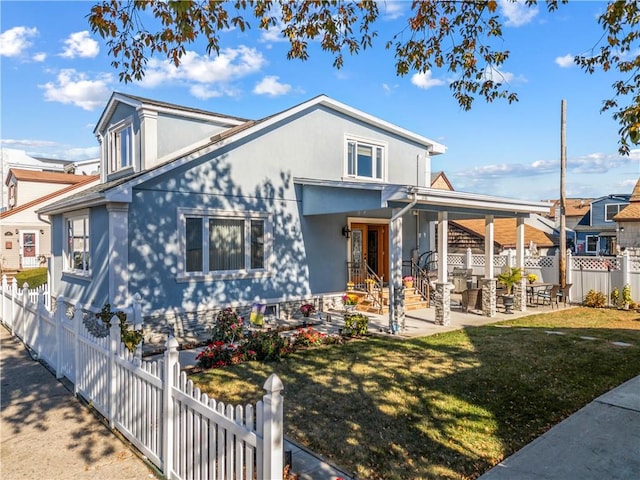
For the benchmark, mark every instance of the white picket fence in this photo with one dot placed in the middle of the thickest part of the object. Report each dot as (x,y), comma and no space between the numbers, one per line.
(584,273)
(182,431)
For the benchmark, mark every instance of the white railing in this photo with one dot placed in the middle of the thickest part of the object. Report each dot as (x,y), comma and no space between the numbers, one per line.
(584,273)
(182,431)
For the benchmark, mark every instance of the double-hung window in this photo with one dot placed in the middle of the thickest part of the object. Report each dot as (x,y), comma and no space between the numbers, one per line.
(365,159)
(225,244)
(120,148)
(77,257)
(592,243)
(611,210)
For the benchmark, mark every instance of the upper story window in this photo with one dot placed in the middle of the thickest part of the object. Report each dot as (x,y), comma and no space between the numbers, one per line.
(365,159)
(77,258)
(120,148)
(611,210)
(223,244)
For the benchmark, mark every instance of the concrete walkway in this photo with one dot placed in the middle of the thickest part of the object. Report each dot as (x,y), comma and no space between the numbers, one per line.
(47,433)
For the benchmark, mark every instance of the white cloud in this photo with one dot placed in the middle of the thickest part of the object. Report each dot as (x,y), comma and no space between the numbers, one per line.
(517,13)
(392,10)
(79,44)
(270,85)
(207,76)
(15,41)
(565,61)
(423,80)
(39,57)
(76,89)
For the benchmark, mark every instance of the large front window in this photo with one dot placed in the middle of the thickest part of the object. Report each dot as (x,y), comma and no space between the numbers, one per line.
(219,243)
(77,254)
(120,149)
(365,160)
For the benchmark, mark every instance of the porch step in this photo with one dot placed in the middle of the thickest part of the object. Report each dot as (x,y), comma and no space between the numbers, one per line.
(412,301)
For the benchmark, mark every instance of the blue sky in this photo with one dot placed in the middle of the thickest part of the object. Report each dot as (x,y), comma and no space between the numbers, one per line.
(56,78)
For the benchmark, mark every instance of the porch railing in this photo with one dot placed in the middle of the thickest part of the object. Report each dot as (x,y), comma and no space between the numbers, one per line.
(365,279)
(421,279)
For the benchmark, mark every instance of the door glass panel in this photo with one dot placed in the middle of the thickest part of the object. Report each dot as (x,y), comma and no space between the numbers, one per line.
(372,250)
(356,246)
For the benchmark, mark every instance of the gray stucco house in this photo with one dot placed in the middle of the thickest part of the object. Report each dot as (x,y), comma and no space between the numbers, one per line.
(198,210)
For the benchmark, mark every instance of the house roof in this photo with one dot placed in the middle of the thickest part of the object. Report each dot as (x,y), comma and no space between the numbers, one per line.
(119,190)
(632,211)
(504,232)
(87,179)
(439,178)
(25,175)
(574,207)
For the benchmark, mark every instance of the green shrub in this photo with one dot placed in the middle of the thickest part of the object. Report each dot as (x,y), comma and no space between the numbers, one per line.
(355,325)
(219,354)
(595,299)
(34,277)
(267,346)
(229,327)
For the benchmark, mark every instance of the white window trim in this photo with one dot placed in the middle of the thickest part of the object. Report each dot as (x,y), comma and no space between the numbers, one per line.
(613,205)
(66,269)
(586,243)
(247,216)
(114,160)
(366,141)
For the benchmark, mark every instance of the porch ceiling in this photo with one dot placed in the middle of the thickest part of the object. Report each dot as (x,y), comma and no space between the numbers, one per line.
(321,197)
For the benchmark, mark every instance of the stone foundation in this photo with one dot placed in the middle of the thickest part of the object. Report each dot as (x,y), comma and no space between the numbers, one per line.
(443,303)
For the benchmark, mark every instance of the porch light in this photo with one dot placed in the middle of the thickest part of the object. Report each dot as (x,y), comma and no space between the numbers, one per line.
(346,232)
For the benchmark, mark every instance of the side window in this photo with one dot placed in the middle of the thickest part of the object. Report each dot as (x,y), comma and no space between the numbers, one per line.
(611,211)
(365,159)
(592,244)
(77,255)
(120,149)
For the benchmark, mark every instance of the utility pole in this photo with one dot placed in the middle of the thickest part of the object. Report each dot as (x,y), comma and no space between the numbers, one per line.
(563,226)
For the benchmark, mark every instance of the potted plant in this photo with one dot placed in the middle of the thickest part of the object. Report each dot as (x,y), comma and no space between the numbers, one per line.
(532,277)
(407,281)
(307,309)
(349,300)
(509,278)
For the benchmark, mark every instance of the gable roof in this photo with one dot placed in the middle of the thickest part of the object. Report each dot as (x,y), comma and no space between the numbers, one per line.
(439,178)
(573,207)
(504,232)
(631,211)
(26,175)
(45,198)
(120,190)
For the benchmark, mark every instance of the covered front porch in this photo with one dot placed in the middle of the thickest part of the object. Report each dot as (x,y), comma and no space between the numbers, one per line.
(407,221)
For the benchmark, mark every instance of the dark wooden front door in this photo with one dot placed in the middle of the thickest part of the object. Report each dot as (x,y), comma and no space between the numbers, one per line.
(370,244)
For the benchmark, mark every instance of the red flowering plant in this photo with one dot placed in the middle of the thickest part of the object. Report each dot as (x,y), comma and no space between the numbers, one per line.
(218,354)
(307,337)
(307,309)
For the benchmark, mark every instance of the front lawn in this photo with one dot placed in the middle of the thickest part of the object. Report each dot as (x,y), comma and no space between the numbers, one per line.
(447,406)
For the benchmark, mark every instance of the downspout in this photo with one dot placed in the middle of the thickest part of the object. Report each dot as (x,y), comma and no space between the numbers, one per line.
(394,217)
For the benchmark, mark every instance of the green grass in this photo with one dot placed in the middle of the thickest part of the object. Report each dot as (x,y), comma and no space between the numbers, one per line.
(447,406)
(34,277)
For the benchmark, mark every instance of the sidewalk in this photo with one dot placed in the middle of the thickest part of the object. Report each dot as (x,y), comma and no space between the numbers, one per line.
(47,433)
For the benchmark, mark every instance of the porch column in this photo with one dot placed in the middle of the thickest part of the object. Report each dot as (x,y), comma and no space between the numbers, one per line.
(488,282)
(118,253)
(396,289)
(443,287)
(520,291)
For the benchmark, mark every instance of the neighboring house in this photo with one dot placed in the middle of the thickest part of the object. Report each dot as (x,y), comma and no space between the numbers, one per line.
(539,232)
(198,210)
(14,158)
(439,180)
(596,232)
(26,237)
(575,210)
(628,220)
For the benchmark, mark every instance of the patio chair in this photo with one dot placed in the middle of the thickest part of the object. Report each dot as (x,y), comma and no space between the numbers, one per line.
(548,295)
(564,293)
(472,299)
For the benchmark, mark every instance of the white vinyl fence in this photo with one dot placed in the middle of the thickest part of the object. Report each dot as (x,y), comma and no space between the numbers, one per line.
(584,273)
(186,434)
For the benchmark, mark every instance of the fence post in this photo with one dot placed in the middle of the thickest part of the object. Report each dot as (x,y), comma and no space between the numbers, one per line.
(114,344)
(624,267)
(38,321)
(14,295)
(468,259)
(170,362)
(77,321)
(25,300)
(58,316)
(272,441)
(569,274)
(5,303)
